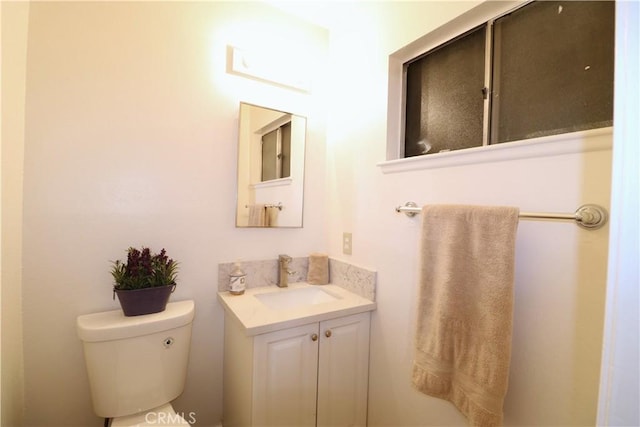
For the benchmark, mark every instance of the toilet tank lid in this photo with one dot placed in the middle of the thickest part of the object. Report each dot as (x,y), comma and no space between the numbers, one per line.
(114,325)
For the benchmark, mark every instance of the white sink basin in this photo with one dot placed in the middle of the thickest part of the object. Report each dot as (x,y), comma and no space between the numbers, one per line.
(268,308)
(294,298)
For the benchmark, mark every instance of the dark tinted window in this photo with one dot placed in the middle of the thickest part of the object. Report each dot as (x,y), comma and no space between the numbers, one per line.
(270,156)
(553,69)
(444,100)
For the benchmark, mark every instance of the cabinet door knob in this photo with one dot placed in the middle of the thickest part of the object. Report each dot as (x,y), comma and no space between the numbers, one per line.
(327,333)
(314,337)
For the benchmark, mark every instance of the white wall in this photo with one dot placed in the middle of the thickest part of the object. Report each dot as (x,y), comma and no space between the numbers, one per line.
(14,55)
(131,134)
(560,269)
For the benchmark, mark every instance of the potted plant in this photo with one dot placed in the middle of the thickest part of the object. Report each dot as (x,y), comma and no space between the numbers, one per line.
(145,282)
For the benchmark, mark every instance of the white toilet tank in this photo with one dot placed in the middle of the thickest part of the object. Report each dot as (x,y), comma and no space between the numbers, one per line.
(136,363)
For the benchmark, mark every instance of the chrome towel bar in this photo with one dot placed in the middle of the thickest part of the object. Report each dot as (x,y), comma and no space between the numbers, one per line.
(587,216)
(271,205)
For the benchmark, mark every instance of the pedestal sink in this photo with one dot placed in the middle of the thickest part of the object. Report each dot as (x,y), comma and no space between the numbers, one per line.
(284,298)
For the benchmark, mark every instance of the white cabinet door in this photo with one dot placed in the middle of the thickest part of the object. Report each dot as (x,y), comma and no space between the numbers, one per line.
(343,371)
(285,375)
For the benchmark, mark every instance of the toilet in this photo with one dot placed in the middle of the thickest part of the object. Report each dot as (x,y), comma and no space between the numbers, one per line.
(137,365)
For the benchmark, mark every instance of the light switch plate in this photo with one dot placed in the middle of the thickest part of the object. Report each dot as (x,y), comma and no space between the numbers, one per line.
(347,242)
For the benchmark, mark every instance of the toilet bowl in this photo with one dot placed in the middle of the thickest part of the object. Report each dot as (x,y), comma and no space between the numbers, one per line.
(137,365)
(163,416)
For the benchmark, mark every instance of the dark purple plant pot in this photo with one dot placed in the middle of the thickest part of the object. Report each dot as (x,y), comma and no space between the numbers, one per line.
(137,302)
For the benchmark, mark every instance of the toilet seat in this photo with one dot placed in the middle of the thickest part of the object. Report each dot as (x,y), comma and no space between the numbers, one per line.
(162,416)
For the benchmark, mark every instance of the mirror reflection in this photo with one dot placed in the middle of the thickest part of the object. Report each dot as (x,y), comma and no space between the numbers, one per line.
(271,147)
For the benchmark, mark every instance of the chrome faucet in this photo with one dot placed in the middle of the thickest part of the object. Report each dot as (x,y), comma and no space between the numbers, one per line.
(283,270)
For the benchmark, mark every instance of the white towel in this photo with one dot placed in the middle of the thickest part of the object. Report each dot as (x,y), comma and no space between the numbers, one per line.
(465,308)
(318,273)
(271,216)
(257,215)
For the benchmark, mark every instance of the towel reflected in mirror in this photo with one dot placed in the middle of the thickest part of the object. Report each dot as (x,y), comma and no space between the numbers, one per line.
(271,216)
(261,215)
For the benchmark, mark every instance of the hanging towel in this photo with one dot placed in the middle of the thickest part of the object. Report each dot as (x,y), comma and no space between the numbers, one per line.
(318,273)
(271,216)
(465,308)
(257,215)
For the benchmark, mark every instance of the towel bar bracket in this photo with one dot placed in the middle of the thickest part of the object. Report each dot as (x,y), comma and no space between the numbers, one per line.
(410,209)
(589,216)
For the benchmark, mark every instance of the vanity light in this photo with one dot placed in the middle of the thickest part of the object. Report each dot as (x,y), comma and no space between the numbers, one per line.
(271,67)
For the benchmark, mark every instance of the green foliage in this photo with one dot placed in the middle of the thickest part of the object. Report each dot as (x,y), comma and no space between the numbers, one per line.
(144,270)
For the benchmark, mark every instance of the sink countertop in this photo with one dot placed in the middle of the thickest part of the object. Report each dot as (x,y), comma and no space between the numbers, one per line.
(257,318)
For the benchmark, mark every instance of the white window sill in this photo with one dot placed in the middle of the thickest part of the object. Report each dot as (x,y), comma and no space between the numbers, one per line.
(567,143)
(274,183)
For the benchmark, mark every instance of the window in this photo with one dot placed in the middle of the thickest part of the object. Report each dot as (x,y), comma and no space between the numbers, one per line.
(276,153)
(444,104)
(543,69)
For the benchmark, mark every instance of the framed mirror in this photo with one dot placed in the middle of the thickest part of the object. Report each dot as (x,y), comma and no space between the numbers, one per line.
(271,151)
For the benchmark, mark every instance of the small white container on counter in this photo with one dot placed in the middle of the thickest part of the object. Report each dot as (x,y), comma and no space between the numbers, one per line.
(237,280)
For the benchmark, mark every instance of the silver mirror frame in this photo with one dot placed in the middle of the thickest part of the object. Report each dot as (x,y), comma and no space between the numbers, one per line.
(282,199)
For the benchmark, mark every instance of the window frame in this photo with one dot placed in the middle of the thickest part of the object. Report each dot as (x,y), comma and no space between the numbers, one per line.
(483,14)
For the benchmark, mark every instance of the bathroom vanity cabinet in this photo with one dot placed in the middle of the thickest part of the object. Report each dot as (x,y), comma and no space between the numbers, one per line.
(306,375)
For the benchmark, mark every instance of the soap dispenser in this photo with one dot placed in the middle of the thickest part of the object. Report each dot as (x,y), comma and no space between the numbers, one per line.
(237,280)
